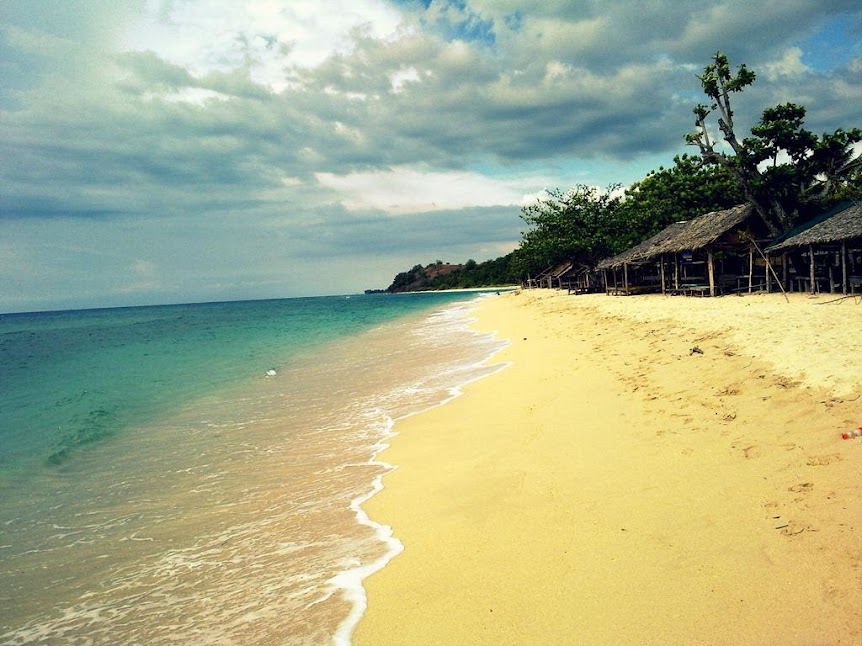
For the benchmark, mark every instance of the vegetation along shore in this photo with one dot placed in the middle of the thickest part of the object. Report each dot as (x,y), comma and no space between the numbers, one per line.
(790,178)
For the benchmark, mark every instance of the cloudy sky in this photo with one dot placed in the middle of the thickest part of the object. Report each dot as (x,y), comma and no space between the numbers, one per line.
(192,150)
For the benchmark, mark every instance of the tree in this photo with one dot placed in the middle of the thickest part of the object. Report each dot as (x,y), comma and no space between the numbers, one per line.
(840,172)
(406,278)
(776,168)
(577,225)
(684,191)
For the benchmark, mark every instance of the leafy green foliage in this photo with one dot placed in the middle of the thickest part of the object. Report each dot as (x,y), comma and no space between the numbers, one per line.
(585,225)
(407,278)
(682,192)
(577,225)
(784,170)
(480,274)
(470,274)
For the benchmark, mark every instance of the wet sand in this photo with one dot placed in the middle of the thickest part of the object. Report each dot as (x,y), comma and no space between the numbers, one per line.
(649,470)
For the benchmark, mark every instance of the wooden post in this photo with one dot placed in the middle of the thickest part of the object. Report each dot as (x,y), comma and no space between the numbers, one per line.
(769,268)
(626,277)
(784,270)
(615,279)
(766,276)
(811,268)
(844,266)
(663,286)
(676,271)
(710,265)
(750,268)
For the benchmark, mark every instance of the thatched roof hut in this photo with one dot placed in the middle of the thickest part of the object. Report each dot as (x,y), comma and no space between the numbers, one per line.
(714,231)
(842,226)
(836,232)
(683,236)
(645,250)
(557,273)
(705,230)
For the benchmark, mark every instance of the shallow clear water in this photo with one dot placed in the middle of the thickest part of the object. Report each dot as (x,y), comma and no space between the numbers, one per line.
(158,487)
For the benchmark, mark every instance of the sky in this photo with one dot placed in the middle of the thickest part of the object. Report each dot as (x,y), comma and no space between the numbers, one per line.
(164,151)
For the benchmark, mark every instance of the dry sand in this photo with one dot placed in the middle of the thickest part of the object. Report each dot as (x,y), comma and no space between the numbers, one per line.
(614,487)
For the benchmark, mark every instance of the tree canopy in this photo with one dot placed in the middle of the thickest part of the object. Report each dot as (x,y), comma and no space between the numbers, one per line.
(782,169)
(572,225)
(684,191)
(586,224)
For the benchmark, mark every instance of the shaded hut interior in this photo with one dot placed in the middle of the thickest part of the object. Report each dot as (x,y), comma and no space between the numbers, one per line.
(824,254)
(715,253)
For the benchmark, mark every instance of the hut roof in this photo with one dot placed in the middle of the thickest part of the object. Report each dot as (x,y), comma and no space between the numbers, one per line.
(843,225)
(643,250)
(684,236)
(560,269)
(545,272)
(705,229)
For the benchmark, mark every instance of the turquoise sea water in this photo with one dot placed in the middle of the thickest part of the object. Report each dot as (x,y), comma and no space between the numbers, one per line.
(157,485)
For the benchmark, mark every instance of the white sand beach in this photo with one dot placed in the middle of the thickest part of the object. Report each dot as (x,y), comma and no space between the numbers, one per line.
(649,470)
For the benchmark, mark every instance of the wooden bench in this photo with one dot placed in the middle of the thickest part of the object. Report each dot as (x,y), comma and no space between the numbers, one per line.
(691,290)
(696,290)
(620,290)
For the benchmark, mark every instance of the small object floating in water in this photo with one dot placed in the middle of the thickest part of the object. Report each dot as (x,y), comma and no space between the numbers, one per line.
(271,372)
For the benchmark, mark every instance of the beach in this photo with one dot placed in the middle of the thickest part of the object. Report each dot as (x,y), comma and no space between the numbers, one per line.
(646,470)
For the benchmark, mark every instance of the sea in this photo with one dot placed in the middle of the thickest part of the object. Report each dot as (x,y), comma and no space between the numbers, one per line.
(194,474)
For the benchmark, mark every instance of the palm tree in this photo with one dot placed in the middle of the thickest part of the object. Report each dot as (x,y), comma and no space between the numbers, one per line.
(837,168)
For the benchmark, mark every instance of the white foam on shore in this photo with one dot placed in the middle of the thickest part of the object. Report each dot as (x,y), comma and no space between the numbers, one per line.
(350,582)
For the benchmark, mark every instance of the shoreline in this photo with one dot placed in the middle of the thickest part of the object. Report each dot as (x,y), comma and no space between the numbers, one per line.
(350,583)
(614,486)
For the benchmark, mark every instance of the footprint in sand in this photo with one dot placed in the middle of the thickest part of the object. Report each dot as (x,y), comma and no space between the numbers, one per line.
(801,487)
(751,452)
(728,391)
(822,460)
(794,528)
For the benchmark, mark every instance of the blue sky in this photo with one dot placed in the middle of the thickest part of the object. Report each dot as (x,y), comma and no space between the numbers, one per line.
(192,150)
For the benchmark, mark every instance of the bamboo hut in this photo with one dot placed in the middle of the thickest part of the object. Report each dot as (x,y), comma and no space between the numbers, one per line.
(558,274)
(832,245)
(714,253)
(710,254)
(630,271)
(581,279)
(538,281)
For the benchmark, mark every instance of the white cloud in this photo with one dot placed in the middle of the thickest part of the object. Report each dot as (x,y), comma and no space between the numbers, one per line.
(143,267)
(403,190)
(269,38)
(789,65)
(193,95)
(403,76)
